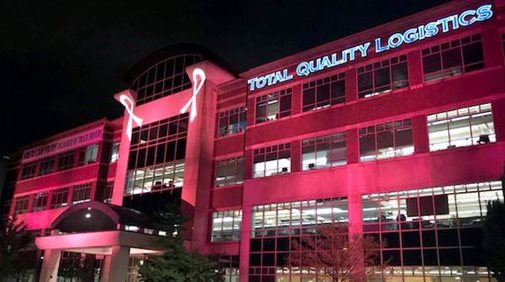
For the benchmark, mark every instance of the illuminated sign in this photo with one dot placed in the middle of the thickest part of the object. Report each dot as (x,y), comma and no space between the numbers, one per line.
(396,40)
(75,141)
(127,101)
(198,82)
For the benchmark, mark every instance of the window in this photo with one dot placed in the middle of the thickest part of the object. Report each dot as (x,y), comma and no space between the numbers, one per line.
(66,161)
(226,225)
(324,92)
(88,155)
(59,198)
(231,122)
(21,204)
(275,227)
(167,77)
(461,127)
(39,201)
(387,140)
(384,76)
(272,160)
(46,166)
(81,193)
(229,171)
(453,58)
(229,266)
(114,154)
(28,170)
(157,153)
(107,193)
(273,106)
(430,228)
(324,151)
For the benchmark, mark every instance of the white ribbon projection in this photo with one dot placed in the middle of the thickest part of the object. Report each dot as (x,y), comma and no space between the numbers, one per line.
(198,81)
(128,103)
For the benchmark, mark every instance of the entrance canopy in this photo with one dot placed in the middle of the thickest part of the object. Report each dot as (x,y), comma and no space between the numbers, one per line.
(95,227)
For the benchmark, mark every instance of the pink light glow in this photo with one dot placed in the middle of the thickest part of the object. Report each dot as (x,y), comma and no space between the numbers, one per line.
(198,81)
(129,104)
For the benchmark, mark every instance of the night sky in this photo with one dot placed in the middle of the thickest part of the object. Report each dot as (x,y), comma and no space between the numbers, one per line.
(61,61)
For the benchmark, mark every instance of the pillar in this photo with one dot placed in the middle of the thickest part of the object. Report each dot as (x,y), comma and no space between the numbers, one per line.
(50,265)
(115,267)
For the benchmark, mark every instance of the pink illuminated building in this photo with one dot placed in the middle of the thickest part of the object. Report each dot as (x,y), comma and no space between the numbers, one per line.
(397,132)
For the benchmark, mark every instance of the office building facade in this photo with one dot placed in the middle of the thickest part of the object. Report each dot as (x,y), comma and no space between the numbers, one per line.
(397,132)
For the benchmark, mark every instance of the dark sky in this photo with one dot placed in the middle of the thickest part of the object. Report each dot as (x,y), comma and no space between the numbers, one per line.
(61,61)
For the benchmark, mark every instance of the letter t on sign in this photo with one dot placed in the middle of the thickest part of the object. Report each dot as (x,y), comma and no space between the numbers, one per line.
(126,98)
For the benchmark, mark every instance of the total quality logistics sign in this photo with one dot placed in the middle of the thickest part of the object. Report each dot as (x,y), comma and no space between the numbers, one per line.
(396,40)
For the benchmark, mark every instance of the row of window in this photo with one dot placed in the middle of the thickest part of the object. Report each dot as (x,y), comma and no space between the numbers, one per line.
(423,229)
(457,128)
(441,61)
(82,156)
(53,199)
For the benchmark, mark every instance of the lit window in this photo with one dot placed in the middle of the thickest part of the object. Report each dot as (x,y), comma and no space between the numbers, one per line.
(88,155)
(324,92)
(229,172)
(384,76)
(59,198)
(21,204)
(157,152)
(453,58)
(272,160)
(387,140)
(461,127)
(273,106)
(81,193)
(226,225)
(39,201)
(324,151)
(231,122)
(114,155)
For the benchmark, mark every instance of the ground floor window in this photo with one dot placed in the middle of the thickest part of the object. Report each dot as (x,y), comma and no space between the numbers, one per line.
(437,229)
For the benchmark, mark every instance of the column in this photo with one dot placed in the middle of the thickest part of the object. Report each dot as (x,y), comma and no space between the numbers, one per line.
(115,267)
(50,264)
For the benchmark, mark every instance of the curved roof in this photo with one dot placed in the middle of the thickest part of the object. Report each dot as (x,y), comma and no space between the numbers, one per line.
(177,49)
(98,216)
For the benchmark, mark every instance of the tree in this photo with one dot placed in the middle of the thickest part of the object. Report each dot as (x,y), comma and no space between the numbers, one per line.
(177,264)
(17,252)
(330,252)
(494,238)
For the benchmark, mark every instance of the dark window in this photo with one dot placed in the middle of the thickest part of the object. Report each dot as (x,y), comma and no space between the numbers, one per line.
(453,58)
(164,78)
(46,166)
(387,140)
(231,122)
(88,154)
(59,198)
(273,106)
(39,201)
(229,171)
(380,77)
(66,161)
(324,92)
(21,204)
(28,170)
